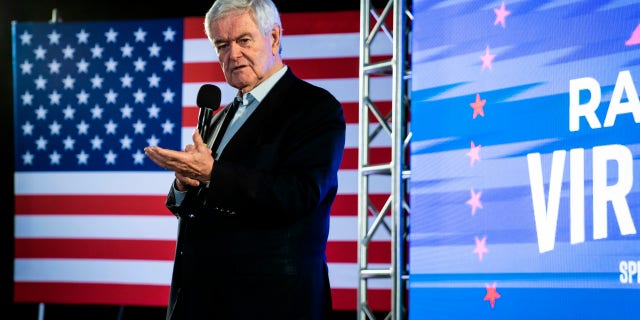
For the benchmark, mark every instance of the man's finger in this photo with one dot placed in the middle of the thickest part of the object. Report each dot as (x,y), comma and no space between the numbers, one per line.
(197,139)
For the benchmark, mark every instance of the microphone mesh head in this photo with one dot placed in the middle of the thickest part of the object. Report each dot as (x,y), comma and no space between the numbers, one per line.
(209,96)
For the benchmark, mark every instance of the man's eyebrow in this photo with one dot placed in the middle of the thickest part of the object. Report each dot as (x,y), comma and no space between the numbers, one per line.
(218,41)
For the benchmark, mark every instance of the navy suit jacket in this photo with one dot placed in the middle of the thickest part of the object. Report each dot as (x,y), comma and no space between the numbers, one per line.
(252,244)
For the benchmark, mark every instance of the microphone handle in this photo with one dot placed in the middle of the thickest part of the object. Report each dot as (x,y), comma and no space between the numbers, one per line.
(204,121)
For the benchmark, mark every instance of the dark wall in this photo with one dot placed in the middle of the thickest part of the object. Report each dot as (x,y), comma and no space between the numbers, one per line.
(83,10)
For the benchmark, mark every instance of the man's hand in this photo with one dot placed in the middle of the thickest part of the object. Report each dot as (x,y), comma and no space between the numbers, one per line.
(192,166)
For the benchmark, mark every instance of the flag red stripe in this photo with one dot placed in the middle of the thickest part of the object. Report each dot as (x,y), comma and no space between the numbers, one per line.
(91,293)
(95,249)
(86,204)
(344,205)
(347,251)
(347,204)
(308,69)
(156,295)
(295,23)
(194,28)
(337,251)
(347,299)
(351,113)
(377,155)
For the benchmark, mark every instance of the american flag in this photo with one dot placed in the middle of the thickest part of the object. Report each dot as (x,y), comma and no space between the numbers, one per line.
(90,221)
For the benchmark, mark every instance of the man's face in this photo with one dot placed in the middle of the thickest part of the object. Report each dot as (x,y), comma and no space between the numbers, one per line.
(247,56)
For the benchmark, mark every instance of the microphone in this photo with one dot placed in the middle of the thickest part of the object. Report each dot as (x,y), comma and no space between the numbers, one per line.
(209,97)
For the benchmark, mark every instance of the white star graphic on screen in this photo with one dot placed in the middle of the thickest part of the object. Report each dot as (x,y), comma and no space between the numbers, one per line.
(54,37)
(83,36)
(68,82)
(83,128)
(54,97)
(54,128)
(154,111)
(140,35)
(153,141)
(111,35)
(154,50)
(154,81)
(139,65)
(96,51)
(111,65)
(138,127)
(68,143)
(83,157)
(41,113)
(83,66)
(168,64)
(27,158)
(25,38)
(111,96)
(55,157)
(68,52)
(27,129)
(168,96)
(40,82)
(138,157)
(68,112)
(110,127)
(126,111)
(126,80)
(139,96)
(41,143)
(27,98)
(127,50)
(83,97)
(96,112)
(126,142)
(96,143)
(96,81)
(54,67)
(26,67)
(110,157)
(40,52)
(167,127)
(169,34)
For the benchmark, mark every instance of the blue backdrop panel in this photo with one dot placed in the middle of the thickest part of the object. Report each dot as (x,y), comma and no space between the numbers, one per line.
(525,186)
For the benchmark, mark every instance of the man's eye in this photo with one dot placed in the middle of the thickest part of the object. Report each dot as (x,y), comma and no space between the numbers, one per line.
(244,41)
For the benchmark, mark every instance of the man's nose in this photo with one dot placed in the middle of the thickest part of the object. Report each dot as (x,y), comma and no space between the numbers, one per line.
(235,50)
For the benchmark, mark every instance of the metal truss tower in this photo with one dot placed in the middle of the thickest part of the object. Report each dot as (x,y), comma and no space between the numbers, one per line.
(378,214)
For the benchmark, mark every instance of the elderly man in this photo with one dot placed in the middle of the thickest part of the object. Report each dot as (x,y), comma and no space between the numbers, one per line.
(254,212)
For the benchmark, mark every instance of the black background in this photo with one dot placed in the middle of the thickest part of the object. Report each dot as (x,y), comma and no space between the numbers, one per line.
(89,10)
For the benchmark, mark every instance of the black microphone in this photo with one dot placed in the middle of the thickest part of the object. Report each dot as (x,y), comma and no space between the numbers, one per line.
(209,97)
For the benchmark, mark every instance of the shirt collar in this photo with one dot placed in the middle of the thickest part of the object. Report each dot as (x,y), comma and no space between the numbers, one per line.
(262,89)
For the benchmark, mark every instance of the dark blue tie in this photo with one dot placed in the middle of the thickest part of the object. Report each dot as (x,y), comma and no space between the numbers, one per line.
(225,123)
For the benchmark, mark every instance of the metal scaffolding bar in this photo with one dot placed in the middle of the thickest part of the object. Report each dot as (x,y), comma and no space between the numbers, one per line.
(393,215)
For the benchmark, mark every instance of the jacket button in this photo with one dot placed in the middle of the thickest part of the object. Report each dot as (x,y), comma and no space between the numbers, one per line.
(191,216)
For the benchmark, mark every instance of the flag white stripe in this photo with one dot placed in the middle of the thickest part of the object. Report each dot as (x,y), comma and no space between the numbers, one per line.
(345,90)
(130,227)
(146,183)
(341,275)
(351,136)
(315,46)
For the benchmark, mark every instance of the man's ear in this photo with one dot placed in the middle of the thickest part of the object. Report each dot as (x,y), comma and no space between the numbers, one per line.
(276,34)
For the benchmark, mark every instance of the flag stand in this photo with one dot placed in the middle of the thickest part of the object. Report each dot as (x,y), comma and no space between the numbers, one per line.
(54,18)
(41,311)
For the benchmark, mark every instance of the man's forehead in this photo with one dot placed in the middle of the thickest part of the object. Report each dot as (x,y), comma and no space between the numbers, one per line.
(234,26)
